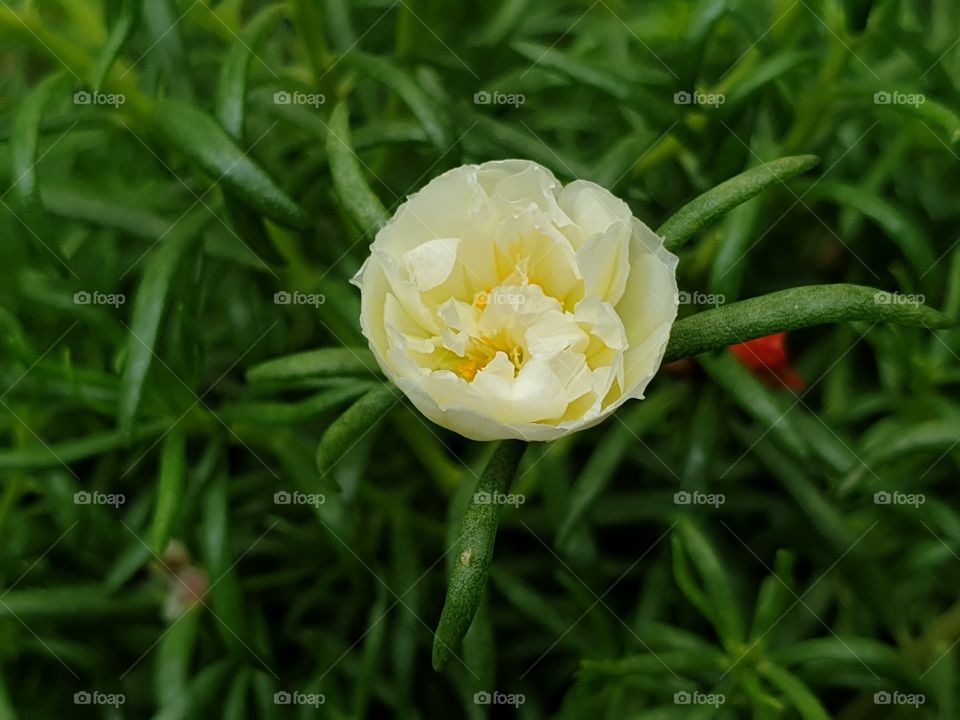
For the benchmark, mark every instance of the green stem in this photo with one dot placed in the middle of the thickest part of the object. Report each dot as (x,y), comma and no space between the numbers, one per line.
(353,425)
(717,201)
(474,551)
(793,309)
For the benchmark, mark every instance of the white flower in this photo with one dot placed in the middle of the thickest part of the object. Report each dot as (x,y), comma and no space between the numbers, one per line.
(505,305)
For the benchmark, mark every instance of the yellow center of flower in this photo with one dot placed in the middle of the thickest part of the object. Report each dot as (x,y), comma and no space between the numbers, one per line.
(484,348)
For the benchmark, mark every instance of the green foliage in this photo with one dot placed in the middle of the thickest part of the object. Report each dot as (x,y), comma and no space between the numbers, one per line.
(718,201)
(210,497)
(474,551)
(352,189)
(794,309)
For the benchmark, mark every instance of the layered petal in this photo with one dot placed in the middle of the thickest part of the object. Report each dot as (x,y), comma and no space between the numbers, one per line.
(505,305)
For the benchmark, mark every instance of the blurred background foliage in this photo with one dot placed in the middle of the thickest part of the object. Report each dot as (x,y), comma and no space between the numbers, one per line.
(183,182)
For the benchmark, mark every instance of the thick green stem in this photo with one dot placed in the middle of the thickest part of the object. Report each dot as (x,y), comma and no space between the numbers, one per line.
(793,309)
(474,551)
(717,201)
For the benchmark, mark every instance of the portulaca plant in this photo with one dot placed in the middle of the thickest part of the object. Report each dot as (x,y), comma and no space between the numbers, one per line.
(235,485)
(507,306)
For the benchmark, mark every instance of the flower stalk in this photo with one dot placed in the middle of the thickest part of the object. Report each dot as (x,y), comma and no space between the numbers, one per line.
(474,550)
